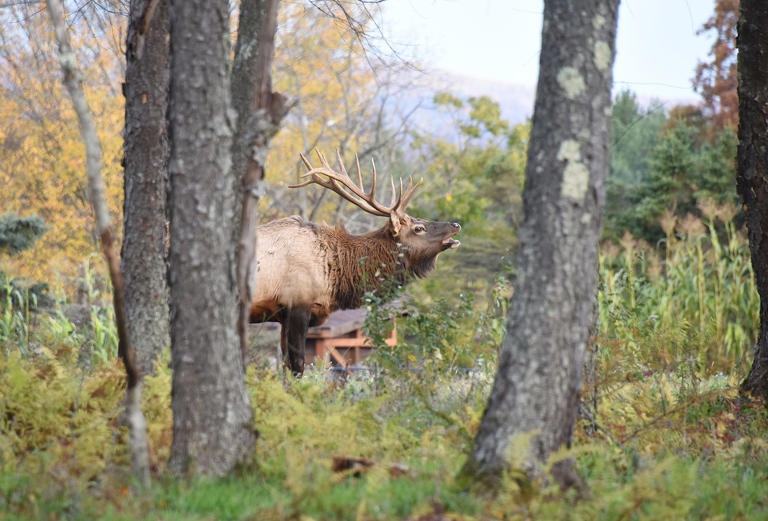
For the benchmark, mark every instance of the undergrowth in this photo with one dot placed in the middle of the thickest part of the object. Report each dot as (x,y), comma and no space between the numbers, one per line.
(664,434)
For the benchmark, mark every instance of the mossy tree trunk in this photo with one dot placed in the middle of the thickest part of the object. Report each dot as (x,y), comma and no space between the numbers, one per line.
(536,390)
(212,419)
(752,161)
(145,148)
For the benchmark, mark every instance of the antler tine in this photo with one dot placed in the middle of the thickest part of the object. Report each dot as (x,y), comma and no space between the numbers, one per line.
(341,165)
(305,183)
(409,193)
(359,173)
(373,185)
(396,197)
(340,183)
(323,159)
(306,161)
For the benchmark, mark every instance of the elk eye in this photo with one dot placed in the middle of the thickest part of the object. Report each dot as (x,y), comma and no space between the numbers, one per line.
(419,229)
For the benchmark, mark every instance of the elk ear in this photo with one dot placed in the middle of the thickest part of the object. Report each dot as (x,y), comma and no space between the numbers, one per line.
(394,221)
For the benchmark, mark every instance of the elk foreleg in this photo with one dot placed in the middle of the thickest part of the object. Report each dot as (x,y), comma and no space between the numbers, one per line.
(293,338)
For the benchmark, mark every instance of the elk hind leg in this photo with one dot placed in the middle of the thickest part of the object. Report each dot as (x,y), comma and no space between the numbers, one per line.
(294,337)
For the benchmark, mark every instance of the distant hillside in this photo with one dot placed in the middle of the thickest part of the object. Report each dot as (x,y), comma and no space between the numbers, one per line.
(516,101)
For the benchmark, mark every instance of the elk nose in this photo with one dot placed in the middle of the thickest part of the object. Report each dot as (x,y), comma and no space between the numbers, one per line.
(456,225)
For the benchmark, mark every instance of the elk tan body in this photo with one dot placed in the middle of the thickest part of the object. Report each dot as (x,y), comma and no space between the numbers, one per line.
(304,271)
(290,270)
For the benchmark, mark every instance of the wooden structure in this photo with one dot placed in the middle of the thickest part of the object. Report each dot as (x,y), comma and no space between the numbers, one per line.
(341,341)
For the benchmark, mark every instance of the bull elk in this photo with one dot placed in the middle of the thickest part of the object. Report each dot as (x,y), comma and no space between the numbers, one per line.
(304,271)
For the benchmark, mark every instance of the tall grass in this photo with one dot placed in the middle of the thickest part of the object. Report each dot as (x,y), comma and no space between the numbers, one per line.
(31,331)
(15,318)
(692,299)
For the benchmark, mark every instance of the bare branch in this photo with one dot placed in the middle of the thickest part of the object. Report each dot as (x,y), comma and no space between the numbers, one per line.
(20,3)
(337,10)
(73,81)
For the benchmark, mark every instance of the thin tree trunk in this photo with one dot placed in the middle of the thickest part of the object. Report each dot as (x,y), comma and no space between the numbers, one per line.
(752,161)
(259,115)
(212,427)
(73,81)
(536,390)
(145,148)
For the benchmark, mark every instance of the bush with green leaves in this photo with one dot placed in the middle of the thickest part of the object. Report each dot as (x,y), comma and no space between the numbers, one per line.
(19,233)
(16,235)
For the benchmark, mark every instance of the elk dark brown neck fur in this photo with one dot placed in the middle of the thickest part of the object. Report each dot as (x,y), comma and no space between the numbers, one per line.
(360,263)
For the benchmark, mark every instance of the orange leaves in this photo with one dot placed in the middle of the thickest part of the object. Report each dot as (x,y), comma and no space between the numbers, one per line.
(42,160)
(321,65)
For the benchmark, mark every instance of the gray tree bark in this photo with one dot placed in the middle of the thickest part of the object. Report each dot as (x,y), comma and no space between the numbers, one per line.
(212,428)
(752,161)
(145,148)
(259,115)
(73,82)
(536,390)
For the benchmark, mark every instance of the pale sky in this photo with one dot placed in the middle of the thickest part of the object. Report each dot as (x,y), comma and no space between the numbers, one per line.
(657,45)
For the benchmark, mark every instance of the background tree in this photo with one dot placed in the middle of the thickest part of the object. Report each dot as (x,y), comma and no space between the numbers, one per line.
(752,179)
(716,79)
(19,233)
(344,98)
(663,163)
(635,131)
(16,235)
(473,173)
(538,381)
(212,428)
(145,148)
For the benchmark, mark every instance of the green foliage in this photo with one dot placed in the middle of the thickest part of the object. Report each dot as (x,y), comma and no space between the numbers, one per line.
(16,235)
(19,233)
(634,134)
(21,293)
(57,419)
(480,162)
(661,164)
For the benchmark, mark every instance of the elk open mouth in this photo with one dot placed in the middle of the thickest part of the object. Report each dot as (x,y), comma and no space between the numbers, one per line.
(450,243)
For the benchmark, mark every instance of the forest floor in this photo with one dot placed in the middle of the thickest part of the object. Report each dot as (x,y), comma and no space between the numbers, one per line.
(389,445)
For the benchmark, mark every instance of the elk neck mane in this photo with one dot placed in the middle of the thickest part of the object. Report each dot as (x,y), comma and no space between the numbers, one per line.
(359,263)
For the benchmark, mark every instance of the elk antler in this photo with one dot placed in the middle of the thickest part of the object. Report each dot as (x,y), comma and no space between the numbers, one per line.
(341,183)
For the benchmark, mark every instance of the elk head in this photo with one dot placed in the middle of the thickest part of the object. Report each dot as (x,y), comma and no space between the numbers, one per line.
(421,240)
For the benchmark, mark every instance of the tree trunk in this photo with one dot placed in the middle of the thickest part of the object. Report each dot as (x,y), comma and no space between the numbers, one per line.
(259,115)
(752,161)
(536,390)
(212,429)
(145,148)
